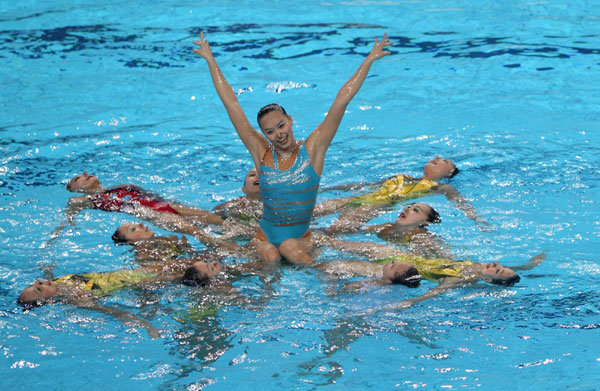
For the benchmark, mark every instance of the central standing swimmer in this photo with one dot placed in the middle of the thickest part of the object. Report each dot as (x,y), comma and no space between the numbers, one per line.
(289,169)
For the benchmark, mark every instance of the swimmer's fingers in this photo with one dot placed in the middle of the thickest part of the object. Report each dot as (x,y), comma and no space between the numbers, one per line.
(378,48)
(204,47)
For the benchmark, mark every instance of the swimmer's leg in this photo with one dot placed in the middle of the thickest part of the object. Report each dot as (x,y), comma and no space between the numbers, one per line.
(266,250)
(296,250)
(199,215)
(352,219)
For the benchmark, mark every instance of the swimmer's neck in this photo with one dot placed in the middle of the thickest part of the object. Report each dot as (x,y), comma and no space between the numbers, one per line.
(90,190)
(408,229)
(254,197)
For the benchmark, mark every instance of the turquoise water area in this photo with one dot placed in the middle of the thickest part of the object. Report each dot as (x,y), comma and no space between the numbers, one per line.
(509,91)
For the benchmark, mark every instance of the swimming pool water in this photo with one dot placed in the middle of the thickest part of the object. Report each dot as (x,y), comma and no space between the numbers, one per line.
(507,90)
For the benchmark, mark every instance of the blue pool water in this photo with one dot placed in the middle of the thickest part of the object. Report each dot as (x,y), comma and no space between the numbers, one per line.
(508,90)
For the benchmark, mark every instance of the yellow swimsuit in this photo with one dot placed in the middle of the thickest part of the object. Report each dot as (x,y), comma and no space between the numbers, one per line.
(431,269)
(393,190)
(102,283)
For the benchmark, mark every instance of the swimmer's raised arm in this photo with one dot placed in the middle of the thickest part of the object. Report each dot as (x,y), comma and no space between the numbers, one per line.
(319,140)
(254,142)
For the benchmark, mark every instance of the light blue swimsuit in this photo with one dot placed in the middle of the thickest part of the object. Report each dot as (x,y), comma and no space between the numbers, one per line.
(288,198)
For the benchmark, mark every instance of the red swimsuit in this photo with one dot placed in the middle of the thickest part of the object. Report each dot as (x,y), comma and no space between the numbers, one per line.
(118,199)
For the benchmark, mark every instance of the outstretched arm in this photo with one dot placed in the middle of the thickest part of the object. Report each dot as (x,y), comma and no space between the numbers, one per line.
(176,223)
(445,285)
(254,142)
(75,205)
(533,262)
(123,316)
(370,250)
(330,206)
(319,140)
(465,206)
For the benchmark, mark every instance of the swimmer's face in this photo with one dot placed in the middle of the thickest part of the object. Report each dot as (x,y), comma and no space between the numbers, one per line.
(439,168)
(496,273)
(393,270)
(414,215)
(134,232)
(251,184)
(38,291)
(83,183)
(207,269)
(277,127)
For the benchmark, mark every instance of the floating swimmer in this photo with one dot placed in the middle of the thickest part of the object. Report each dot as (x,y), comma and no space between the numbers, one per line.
(83,290)
(144,205)
(410,230)
(149,247)
(401,188)
(289,170)
(396,266)
(128,199)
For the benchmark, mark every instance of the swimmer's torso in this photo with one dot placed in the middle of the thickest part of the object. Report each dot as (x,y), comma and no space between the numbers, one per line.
(400,187)
(126,198)
(433,269)
(289,198)
(99,284)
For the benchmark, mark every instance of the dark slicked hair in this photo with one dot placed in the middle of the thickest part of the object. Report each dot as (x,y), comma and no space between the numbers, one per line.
(118,237)
(454,172)
(506,281)
(433,217)
(193,277)
(411,278)
(267,109)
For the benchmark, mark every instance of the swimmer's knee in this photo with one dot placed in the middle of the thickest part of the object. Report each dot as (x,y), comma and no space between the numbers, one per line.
(271,255)
(288,246)
(267,251)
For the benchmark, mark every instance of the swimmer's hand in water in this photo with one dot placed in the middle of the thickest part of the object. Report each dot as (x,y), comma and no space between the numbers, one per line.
(484,226)
(531,263)
(390,307)
(203,49)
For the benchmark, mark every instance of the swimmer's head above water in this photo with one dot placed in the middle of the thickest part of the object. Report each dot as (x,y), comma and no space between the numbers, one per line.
(418,215)
(37,294)
(251,184)
(277,126)
(494,273)
(84,183)
(131,233)
(201,272)
(437,168)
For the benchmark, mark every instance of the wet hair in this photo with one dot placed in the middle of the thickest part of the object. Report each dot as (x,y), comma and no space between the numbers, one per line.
(119,237)
(267,109)
(433,217)
(27,305)
(411,278)
(506,281)
(193,277)
(454,172)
